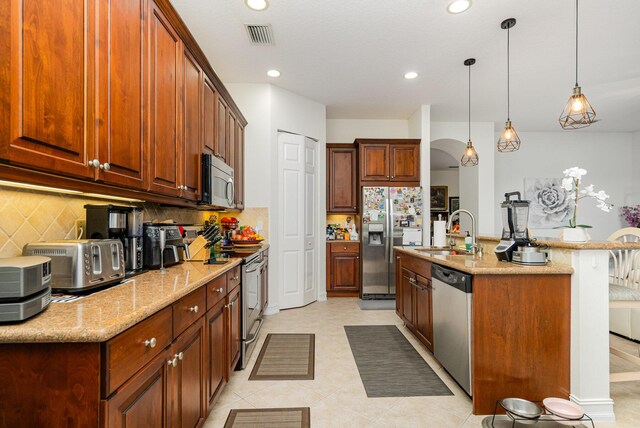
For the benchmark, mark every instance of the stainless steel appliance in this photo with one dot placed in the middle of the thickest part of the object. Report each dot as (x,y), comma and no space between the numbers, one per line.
(253,267)
(217,182)
(119,222)
(391,216)
(172,242)
(452,300)
(78,265)
(25,287)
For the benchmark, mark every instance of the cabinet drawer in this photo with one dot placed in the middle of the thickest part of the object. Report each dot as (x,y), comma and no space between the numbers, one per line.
(233,278)
(345,247)
(216,290)
(187,310)
(129,351)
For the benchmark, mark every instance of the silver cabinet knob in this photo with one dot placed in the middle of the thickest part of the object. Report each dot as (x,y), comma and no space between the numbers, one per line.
(151,343)
(94,163)
(219,290)
(194,309)
(180,356)
(105,166)
(173,362)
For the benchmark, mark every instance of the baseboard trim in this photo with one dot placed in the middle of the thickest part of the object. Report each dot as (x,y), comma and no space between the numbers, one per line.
(322,297)
(599,409)
(271,310)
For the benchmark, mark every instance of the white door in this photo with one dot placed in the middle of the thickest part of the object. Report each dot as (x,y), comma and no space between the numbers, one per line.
(297,220)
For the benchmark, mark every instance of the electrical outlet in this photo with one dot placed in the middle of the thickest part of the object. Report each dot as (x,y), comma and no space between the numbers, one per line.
(81,228)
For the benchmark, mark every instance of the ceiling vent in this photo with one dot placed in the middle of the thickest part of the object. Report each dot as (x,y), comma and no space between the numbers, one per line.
(260,34)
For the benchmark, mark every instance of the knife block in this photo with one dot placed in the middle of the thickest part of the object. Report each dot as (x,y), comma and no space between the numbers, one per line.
(198,251)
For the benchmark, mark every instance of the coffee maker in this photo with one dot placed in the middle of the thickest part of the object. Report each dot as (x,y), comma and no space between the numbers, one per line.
(515,215)
(119,222)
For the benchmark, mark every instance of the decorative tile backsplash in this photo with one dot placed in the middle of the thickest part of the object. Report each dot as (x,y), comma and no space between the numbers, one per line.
(30,216)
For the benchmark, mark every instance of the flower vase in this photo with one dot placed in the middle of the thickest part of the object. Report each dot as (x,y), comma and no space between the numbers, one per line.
(574,234)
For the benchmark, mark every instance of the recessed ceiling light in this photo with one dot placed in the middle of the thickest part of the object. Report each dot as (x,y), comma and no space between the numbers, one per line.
(458,6)
(257,4)
(411,75)
(273,73)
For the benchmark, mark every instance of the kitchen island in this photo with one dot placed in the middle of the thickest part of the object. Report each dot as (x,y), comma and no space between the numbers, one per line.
(154,351)
(520,318)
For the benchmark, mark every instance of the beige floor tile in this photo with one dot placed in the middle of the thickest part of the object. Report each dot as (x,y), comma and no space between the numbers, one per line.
(284,394)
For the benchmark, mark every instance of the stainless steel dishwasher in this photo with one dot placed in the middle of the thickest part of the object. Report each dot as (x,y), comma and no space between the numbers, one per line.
(452,322)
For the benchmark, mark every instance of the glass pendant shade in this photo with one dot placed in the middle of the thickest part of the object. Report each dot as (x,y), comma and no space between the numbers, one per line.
(509,140)
(578,112)
(470,156)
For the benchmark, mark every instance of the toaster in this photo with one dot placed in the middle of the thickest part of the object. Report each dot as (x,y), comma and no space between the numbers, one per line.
(82,264)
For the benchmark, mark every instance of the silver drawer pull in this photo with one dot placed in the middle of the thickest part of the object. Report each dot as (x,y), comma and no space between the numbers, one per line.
(219,290)
(194,309)
(173,362)
(151,342)
(180,356)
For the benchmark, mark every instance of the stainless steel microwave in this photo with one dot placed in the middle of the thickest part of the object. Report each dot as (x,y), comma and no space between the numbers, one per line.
(217,182)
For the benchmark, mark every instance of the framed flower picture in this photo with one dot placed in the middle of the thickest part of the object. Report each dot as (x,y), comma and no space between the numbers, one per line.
(439,198)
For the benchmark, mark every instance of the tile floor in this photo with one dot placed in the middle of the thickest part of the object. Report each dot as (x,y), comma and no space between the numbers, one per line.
(338,399)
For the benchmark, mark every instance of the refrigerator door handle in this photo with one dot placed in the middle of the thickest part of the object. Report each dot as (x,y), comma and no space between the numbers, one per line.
(390,227)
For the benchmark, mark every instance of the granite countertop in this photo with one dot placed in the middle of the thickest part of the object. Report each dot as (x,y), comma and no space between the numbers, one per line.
(100,316)
(488,264)
(341,241)
(556,243)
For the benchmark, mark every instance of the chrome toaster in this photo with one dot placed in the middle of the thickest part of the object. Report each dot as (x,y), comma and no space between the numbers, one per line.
(78,265)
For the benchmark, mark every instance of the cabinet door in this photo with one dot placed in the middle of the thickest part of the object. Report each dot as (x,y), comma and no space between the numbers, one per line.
(222,123)
(374,162)
(423,312)
(345,272)
(123,88)
(407,296)
(239,166)
(144,400)
(166,139)
(405,162)
(209,116)
(399,287)
(342,180)
(188,377)
(216,347)
(191,116)
(231,139)
(234,335)
(53,48)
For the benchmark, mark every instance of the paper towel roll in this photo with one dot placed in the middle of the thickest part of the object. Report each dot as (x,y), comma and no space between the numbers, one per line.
(439,233)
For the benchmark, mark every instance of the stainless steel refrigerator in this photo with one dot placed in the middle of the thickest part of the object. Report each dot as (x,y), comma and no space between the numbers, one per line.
(391,216)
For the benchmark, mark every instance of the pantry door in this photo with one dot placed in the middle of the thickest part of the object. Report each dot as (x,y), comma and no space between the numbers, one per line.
(297,220)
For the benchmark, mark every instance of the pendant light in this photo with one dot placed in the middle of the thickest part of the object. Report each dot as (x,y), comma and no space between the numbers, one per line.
(509,140)
(470,156)
(578,112)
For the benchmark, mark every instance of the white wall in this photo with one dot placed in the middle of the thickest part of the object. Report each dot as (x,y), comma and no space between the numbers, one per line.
(447,178)
(344,131)
(607,157)
(636,167)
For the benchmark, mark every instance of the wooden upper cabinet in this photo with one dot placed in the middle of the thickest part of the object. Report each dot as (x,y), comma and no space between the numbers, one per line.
(405,162)
(123,88)
(52,94)
(342,181)
(231,139)
(166,143)
(239,166)
(209,116)
(191,121)
(374,162)
(222,124)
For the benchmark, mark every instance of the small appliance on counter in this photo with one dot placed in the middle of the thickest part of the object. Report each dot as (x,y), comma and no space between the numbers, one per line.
(154,257)
(82,264)
(119,222)
(25,287)
(515,244)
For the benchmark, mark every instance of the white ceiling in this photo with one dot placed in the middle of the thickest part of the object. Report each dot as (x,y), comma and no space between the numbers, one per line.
(352,54)
(441,161)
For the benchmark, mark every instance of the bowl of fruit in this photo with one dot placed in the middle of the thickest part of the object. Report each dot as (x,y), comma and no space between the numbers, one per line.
(229,223)
(246,236)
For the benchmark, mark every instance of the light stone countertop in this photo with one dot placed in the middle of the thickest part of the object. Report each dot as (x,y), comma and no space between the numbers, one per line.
(488,264)
(556,243)
(100,316)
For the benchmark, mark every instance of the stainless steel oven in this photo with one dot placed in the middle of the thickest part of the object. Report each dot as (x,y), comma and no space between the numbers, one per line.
(217,182)
(251,304)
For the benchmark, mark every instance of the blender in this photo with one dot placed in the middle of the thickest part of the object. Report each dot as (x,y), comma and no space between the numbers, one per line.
(504,249)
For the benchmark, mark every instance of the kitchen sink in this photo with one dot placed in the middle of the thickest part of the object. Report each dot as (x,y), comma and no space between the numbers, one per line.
(443,251)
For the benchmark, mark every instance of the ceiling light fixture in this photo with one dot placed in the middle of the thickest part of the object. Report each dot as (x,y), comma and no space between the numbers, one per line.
(470,156)
(578,112)
(458,6)
(509,140)
(410,75)
(257,5)
(273,73)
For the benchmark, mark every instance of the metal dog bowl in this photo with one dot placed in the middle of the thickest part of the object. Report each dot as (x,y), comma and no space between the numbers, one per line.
(522,408)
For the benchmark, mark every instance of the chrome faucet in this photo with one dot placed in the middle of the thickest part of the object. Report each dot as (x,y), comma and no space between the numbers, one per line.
(474,230)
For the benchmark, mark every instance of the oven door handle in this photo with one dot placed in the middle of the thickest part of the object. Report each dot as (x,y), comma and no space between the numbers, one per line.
(256,268)
(254,337)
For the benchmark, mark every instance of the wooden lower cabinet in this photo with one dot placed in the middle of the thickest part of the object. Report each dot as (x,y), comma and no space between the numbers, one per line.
(414,297)
(217,349)
(423,316)
(144,400)
(234,333)
(408,296)
(343,268)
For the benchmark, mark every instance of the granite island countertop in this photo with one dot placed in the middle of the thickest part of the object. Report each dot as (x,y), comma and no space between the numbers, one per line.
(487,264)
(104,314)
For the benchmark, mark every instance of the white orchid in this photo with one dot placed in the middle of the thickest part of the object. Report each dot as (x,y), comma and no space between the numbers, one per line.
(571,183)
